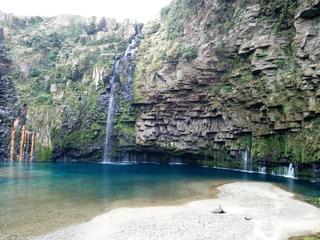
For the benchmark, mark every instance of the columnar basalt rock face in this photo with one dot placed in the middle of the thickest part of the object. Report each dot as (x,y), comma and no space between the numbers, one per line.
(251,85)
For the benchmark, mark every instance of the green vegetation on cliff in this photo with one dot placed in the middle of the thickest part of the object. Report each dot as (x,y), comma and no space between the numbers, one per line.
(228,76)
(61,73)
(214,78)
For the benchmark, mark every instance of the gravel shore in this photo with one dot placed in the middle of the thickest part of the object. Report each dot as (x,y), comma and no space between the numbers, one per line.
(257,211)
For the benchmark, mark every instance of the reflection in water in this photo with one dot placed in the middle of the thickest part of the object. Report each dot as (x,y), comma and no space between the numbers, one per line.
(39,197)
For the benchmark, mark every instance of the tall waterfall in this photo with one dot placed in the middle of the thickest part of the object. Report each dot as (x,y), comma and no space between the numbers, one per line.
(33,139)
(110,114)
(125,59)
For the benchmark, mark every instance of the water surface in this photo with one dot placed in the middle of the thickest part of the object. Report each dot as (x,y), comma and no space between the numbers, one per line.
(39,197)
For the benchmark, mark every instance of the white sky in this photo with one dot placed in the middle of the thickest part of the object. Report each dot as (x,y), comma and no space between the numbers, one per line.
(142,10)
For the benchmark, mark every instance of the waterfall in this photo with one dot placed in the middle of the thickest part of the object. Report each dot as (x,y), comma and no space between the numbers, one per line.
(290,171)
(33,138)
(26,144)
(110,114)
(247,161)
(12,138)
(126,58)
(285,171)
(22,143)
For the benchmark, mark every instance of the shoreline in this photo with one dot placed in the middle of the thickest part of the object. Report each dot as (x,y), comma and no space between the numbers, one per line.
(82,212)
(253,211)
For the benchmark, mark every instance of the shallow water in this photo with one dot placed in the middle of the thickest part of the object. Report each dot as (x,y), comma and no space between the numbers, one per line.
(39,197)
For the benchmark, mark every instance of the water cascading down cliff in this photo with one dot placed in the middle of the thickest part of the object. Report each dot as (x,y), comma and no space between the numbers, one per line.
(24,141)
(126,60)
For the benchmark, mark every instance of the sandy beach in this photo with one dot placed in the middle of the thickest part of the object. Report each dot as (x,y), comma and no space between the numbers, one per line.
(253,211)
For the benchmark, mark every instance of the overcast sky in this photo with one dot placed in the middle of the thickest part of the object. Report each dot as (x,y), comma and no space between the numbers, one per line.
(141,10)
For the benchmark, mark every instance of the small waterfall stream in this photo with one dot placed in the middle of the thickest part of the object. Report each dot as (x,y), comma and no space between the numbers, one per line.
(12,138)
(247,160)
(22,143)
(127,58)
(290,173)
(22,146)
(33,139)
(285,171)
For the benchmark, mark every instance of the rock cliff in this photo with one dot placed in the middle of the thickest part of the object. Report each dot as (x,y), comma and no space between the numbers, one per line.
(222,79)
(231,83)
(61,71)
(8,105)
